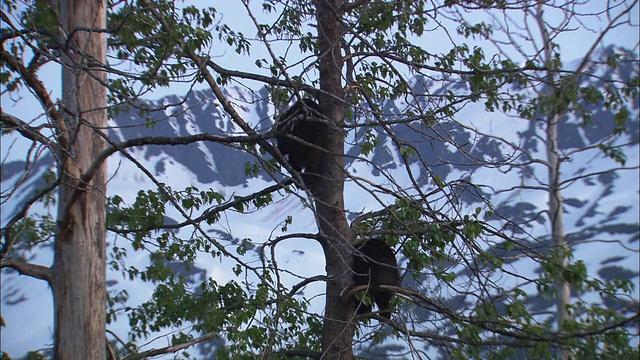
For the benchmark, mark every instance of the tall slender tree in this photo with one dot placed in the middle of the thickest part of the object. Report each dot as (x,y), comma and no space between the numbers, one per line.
(79,266)
(78,274)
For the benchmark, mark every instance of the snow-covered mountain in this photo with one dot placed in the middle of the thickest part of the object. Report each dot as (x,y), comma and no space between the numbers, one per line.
(600,209)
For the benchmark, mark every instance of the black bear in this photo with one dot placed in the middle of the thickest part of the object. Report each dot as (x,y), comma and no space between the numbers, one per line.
(374,264)
(300,133)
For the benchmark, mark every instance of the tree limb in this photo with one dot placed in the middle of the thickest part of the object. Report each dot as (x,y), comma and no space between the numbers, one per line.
(209,213)
(4,247)
(32,81)
(26,130)
(261,78)
(170,349)
(348,6)
(32,270)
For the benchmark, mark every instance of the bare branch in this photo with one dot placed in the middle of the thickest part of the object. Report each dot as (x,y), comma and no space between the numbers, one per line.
(32,270)
(22,213)
(26,130)
(32,81)
(261,78)
(171,349)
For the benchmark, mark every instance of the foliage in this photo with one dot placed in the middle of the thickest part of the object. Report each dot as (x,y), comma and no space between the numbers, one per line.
(465,295)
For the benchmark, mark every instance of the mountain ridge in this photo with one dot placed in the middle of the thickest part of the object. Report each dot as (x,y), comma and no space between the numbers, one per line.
(600,207)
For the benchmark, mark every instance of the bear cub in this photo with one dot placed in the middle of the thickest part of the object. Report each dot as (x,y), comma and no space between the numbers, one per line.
(374,264)
(300,131)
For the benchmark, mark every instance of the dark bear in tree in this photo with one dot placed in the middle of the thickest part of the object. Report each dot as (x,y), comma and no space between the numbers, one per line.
(301,133)
(374,264)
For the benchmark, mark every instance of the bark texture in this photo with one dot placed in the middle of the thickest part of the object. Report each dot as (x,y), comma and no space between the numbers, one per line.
(79,266)
(339,327)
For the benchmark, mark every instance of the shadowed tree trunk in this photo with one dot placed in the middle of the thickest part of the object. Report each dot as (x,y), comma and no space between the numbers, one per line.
(337,242)
(79,267)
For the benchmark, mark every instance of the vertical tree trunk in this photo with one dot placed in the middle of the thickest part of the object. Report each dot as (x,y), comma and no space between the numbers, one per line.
(79,266)
(338,331)
(563,289)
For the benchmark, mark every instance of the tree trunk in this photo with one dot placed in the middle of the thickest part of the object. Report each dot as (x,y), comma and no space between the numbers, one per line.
(563,290)
(79,266)
(337,241)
